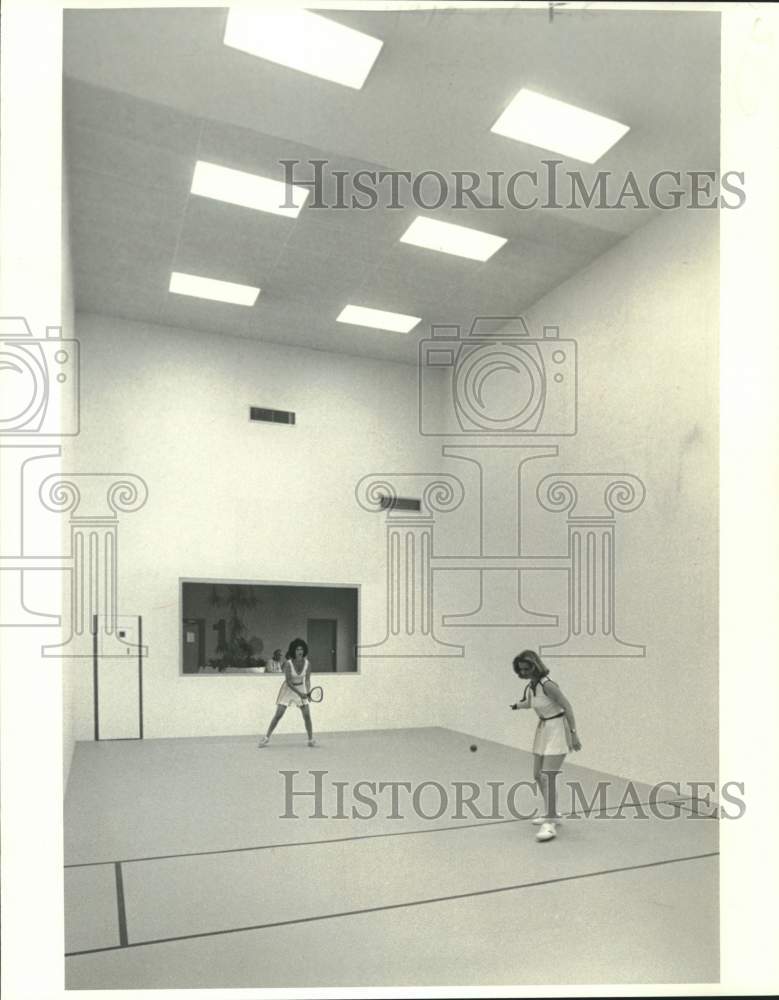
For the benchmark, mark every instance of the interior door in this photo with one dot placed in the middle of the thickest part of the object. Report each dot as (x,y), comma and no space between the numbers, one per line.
(117,678)
(321,638)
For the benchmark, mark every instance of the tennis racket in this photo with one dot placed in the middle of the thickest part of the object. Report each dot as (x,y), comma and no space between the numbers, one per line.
(316,694)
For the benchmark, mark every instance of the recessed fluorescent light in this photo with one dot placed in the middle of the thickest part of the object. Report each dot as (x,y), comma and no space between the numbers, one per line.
(210,288)
(559,127)
(378,318)
(448,238)
(249,190)
(304,41)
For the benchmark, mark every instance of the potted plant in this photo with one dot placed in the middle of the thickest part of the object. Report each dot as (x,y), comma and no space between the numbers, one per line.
(234,650)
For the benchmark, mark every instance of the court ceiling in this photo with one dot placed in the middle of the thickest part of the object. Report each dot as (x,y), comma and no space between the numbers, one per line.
(147,92)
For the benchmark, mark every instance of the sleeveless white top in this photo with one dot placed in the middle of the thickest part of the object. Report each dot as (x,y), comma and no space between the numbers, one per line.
(299,676)
(539,700)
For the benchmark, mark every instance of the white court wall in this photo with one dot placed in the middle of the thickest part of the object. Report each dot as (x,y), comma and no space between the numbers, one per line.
(171,406)
(645,318)
(230,499)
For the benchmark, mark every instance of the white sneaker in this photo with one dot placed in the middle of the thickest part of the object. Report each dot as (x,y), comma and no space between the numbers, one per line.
(547,832)
(263,742)
(313,743)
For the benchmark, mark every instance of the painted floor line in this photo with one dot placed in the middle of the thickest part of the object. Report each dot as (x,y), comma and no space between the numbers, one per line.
(696,812)
(363,836)
(394,906)
(120,908)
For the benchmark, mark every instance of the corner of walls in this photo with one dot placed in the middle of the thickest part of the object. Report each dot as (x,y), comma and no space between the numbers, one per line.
(68,323)
(213,509)
(644,316)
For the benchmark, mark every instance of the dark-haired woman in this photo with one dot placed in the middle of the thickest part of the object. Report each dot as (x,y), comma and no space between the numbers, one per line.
(555,735)
(294,690)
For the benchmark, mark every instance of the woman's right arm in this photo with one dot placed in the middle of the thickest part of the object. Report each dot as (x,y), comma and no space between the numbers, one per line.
(524,703)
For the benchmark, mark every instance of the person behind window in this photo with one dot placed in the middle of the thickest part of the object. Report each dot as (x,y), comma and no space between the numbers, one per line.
(276,665)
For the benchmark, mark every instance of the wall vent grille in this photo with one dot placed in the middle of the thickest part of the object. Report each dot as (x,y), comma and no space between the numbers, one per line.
(271,416)
(400,503)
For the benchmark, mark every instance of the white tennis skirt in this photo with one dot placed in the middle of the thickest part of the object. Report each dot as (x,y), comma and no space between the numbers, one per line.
(288,697)
(552,737)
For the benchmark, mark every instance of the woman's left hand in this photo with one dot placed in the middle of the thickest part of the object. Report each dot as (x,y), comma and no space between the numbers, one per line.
(575,743)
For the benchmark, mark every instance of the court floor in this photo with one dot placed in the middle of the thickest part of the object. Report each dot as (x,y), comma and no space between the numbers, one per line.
(189,864)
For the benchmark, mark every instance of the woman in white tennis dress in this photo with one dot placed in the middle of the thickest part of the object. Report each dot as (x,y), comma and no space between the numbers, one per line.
(293,690)
(555,734)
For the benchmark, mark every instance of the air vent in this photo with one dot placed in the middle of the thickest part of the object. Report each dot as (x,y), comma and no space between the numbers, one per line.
(400,503)
(271,416)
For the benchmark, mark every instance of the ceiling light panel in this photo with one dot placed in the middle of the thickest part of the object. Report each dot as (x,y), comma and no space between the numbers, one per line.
(305,42)
(239,188)
(559,127)
(211,288)
(378,319)
(445,237)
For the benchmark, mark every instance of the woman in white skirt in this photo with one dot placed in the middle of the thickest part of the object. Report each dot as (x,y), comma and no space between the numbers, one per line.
(294,689)
(555,734)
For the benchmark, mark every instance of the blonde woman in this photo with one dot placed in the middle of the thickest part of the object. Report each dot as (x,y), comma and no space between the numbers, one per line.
(555,734)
